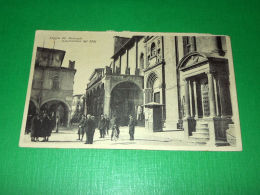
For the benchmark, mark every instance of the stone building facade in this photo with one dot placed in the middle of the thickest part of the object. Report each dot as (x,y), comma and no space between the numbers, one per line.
(52,87)
(77,107)
(189,76)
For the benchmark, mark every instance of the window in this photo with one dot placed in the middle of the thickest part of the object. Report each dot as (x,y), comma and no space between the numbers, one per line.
(142,61)
(189,44)
(153,50)
(157,97)
(55,83)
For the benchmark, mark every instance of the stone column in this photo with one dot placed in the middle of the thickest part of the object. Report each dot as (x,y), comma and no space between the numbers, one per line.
(187,119)
(187,99)
(69,118)
(127,56)
(212,101)
(120,64)
(136,55)
(191,98)
(212,107)
(196,115)
(107,99)
(216,95)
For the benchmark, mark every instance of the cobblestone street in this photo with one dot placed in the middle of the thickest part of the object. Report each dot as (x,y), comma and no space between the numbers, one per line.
(67,138)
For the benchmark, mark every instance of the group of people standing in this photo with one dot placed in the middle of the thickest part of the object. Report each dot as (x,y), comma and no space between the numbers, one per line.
(88,125)
(42,125)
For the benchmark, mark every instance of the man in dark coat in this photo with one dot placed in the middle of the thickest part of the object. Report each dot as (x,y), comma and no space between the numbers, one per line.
(102,126)
(107,124)
(88,128)
(94,125)
(81,130)
(131,125)
(46,127)
(35,128)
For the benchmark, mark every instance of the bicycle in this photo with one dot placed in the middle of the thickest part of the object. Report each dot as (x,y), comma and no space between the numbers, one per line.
(114,135)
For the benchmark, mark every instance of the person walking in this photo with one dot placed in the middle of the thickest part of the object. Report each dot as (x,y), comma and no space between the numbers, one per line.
(102,126)
(57,123)
(107,124)
(115,126)
(45,130)
(36,125)
(49,126)
(88,128)
(93,128)
(131,125)
(81,130)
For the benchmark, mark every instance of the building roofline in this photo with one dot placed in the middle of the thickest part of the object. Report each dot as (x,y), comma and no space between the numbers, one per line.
(93,73)
(130,41)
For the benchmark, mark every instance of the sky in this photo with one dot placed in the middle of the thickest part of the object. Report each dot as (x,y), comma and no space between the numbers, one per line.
(93,51)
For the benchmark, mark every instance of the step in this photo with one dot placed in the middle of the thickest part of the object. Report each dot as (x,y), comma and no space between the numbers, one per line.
(222,143)
(196,139)
(202,130)
(202,125)
(200,134)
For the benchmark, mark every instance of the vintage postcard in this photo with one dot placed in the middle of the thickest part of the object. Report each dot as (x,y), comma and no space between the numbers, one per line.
(131,90)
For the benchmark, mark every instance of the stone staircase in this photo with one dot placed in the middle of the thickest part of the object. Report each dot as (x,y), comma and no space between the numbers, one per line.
(201,135)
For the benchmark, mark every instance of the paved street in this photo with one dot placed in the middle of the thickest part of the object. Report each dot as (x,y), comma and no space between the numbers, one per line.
(68,138)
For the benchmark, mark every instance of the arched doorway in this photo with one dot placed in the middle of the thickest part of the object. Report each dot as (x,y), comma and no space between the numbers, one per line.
(60,110)
(126,97)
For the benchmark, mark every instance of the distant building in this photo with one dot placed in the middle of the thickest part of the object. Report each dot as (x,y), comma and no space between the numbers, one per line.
(188,76)
(77,108)
(117,90)
(52,86)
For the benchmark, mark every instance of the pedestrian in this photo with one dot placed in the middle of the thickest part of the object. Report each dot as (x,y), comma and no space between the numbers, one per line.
(57,123)
(88,128)
(115,126)
(131,125)
(93,128)
(81,130)
(102,126)
(49,126)
(45,127)
(107,124)
(36,125)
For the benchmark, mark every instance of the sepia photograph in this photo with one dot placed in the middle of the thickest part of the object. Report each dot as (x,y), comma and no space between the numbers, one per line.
(131,90)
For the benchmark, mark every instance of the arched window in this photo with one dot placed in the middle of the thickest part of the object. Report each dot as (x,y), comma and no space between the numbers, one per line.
(153,49)
(153,83)
(142,61)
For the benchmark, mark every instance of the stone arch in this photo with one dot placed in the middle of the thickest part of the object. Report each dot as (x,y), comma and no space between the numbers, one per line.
(35,103)
(125,98)
(60,108)
(56,99)
(134,81)
(151,80)
(192,58)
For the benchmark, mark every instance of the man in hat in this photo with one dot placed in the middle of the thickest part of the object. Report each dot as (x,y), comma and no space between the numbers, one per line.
(131,125)
(81,130)
(102,126)
(89,124)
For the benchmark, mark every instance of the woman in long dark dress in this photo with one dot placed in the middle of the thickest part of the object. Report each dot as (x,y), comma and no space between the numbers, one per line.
(46,127)
(36,128)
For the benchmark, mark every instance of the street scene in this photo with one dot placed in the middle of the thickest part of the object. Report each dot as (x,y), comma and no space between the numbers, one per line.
(131,91)
(70,137)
